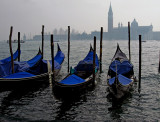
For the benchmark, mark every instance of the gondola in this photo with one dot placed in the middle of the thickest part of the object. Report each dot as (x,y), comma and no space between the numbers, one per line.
(120,76)
(15,56)
(79,78)
(33,71)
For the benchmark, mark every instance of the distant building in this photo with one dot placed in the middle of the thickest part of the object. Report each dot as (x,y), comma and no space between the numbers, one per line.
(114,33)
(24,37)
(121,32)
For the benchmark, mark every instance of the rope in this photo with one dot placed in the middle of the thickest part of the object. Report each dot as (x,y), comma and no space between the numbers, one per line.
(49,72)
(49,67)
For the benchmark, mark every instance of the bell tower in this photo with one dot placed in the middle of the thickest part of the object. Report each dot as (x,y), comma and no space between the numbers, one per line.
(110,19)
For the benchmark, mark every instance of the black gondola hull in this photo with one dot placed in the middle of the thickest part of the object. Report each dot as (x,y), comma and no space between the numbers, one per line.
(61,91)
(20,82)
(118,90)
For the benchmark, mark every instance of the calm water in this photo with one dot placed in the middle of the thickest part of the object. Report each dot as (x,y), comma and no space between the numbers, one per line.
(39,103)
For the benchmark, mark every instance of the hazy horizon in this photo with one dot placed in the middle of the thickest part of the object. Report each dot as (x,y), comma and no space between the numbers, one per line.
(28,16)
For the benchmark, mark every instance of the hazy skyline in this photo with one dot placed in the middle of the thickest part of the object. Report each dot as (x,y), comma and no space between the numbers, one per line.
(28,16)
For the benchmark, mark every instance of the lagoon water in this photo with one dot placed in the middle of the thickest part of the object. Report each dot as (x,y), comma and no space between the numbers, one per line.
(35,104)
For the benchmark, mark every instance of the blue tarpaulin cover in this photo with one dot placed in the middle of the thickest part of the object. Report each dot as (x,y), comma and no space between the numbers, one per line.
(23,66)
(35,66)
(111,81)
(72,80)
(19,75)
(34,60)
(87,63)
(122,79)
(121,68)
(6,60)
(45,67)
(59,57)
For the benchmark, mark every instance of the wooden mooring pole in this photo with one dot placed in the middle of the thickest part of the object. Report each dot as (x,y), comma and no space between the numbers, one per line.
(129,41)
(52,55)
(140,61)
(68,46)
(94,60)
(10,45)
(19,46)
(101,38)
(42,41)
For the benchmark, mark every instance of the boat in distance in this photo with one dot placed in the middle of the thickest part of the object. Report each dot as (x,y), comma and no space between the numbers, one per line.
(16,41)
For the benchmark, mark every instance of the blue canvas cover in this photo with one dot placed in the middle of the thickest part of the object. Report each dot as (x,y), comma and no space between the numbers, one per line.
(19,75)
(15,56)
(34,60)
(121,68)
(58,60)
(111,81)
(87,63)
(45,67)
(34,66)
(122,79)
(72,80)
(59,56)
(23,66)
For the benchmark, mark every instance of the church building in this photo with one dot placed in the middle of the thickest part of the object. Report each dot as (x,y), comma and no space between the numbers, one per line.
(121,32)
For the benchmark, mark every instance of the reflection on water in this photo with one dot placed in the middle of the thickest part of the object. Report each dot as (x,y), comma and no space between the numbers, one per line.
(18,97)
(116,105)
(40,103)
(67,105)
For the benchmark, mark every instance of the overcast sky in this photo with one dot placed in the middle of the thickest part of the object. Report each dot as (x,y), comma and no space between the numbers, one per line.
(28,16)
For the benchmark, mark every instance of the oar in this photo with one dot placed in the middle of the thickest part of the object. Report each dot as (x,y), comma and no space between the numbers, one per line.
(10,45)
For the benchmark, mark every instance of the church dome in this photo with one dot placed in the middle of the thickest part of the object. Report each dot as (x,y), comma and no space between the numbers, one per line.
(134,23)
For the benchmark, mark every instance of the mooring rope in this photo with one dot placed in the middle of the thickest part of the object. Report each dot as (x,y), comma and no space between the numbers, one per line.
(49,72)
